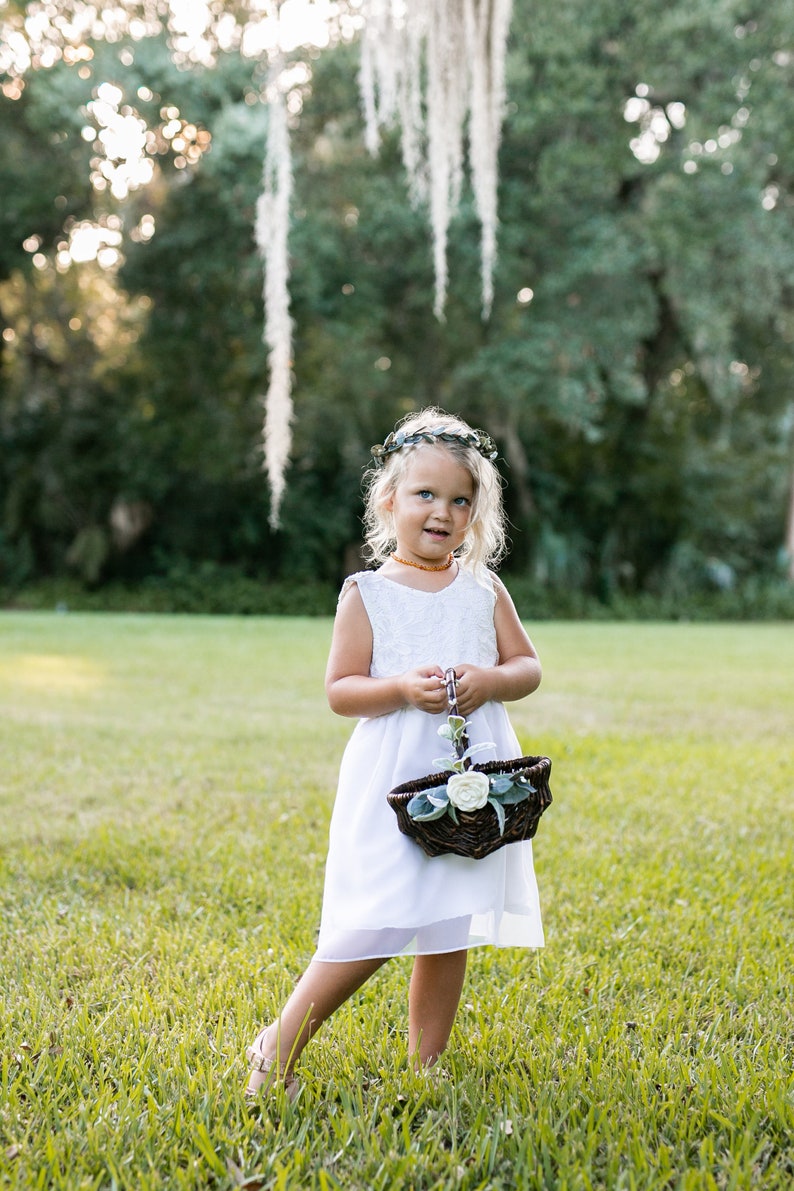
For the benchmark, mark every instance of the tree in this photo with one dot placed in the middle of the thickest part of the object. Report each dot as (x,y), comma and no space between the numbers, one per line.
(636,369)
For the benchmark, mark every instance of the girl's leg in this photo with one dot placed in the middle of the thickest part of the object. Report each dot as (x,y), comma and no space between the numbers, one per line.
(436,985)
(322,989)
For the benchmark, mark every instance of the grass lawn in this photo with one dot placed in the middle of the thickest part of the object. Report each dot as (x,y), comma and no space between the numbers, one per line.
(165,789)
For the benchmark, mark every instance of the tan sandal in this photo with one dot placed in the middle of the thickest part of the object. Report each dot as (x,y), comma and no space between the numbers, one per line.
(266,1073)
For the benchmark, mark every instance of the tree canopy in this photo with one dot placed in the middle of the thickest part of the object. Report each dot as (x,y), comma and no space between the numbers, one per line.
(636,369)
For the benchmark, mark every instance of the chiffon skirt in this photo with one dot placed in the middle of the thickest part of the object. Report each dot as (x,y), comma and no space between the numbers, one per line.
(383,896)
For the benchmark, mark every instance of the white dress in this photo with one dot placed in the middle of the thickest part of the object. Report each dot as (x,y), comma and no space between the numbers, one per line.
(383,896)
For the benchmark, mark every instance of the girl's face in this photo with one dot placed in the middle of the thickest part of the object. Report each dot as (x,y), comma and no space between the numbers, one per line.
(431,505)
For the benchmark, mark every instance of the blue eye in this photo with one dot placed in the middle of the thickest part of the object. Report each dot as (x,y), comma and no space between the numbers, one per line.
(425,495)
(461,500)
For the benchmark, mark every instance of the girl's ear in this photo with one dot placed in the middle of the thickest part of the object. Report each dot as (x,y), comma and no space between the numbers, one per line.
(387,503)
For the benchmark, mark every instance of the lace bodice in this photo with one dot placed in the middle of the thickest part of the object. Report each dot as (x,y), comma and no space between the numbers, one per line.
(414,628)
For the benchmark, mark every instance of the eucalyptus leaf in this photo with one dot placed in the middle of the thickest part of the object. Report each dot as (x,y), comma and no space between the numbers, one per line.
(501,783)
(420,804)
(513,795)
(500,814)
(448,765)
(521,779)
(427,817)
(473,749)
(457,725)
(439,797)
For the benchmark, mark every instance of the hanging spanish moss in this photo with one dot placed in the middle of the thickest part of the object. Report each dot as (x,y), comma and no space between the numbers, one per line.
(430,65)
(488,25)
(272,231)
(435,67)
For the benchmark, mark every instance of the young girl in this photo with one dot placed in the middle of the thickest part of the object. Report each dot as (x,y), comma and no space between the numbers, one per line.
(433,521)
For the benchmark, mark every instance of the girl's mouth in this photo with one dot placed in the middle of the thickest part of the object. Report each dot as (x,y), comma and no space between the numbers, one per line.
(438,535)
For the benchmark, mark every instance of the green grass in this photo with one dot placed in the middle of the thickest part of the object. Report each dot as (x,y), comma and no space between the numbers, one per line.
(165,789)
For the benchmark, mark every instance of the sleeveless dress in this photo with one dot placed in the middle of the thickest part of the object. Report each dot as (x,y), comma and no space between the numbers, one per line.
(383,896)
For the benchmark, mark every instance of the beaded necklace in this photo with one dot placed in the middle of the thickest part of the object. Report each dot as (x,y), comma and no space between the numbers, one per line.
(406,562)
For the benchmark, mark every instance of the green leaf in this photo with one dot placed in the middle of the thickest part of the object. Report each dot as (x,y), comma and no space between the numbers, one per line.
(473,749)
(513,795)
(429,816)
(423,810)
(500,814)
(521,779)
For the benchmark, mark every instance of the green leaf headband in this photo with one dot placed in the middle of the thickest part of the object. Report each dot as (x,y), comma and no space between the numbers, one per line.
(477,439)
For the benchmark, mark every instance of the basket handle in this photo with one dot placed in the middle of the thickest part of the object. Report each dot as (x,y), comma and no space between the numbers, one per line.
(451,683)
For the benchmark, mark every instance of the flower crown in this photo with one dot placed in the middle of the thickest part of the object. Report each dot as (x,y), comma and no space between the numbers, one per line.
(477,439)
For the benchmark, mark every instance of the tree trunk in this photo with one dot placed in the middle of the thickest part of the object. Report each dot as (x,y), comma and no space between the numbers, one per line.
(789,542)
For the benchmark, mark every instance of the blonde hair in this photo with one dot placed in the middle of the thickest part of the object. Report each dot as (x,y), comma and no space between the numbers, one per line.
(484,543)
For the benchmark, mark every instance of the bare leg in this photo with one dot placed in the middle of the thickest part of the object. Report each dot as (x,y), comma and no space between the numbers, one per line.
(436,985)
(322,989)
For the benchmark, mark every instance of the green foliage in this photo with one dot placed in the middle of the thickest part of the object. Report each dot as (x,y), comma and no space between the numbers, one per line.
(161,864)
(211,588)
(692,598)
(44,176)
(206,589)
(641,399)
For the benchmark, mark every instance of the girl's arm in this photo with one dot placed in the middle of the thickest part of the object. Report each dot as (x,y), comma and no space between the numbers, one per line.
(516,674)
(348,685)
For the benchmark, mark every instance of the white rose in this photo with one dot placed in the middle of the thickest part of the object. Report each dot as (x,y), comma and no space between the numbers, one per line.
(468,791)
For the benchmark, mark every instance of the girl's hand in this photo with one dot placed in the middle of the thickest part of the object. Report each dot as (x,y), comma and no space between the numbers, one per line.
(474,687)
(424,688)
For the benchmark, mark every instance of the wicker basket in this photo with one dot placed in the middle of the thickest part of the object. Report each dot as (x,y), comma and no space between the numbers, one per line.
(477,832)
